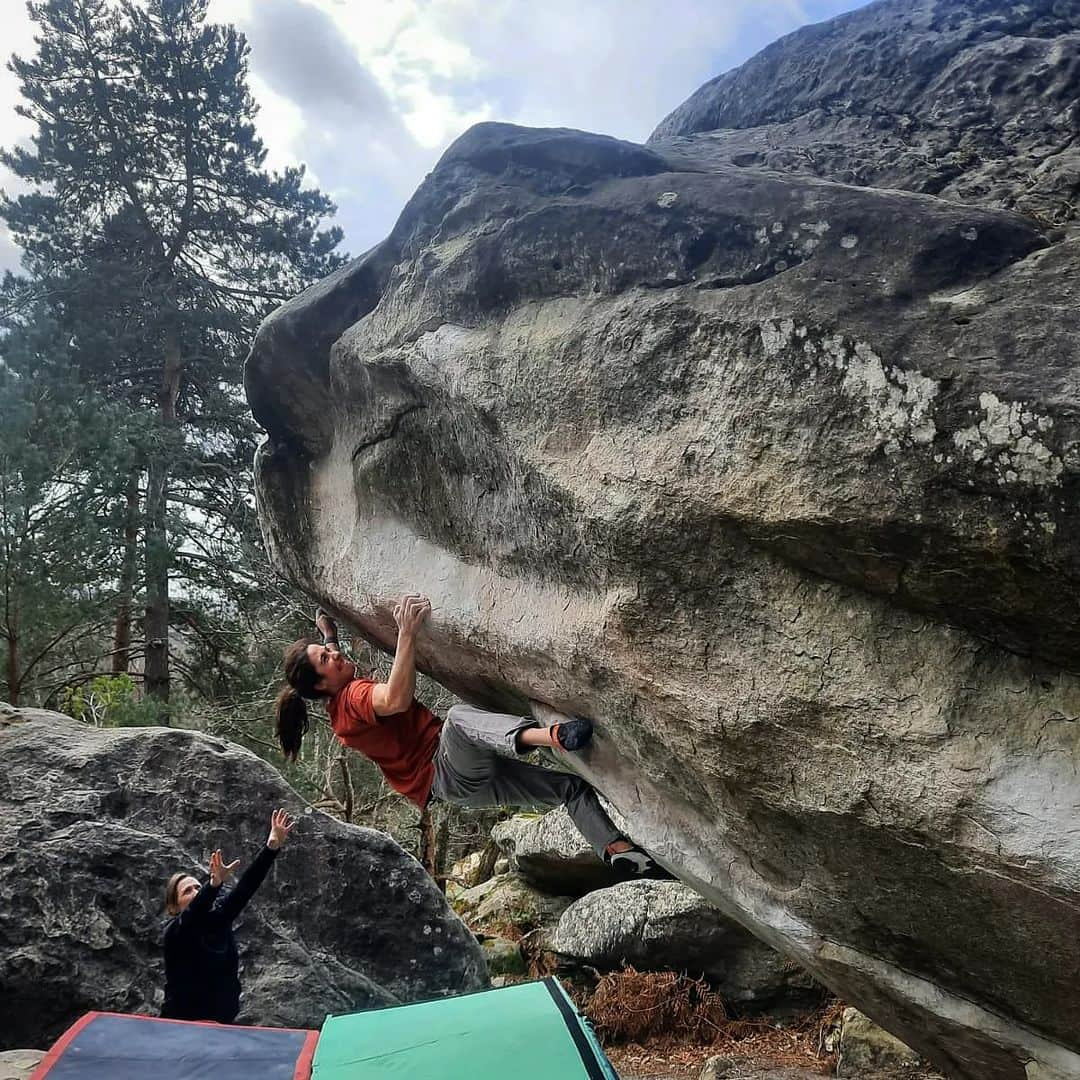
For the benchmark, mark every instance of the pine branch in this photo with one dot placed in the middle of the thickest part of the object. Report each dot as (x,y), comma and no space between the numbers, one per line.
(53,642)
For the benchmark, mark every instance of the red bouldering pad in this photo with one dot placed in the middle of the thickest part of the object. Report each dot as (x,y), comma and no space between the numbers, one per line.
(114,1046)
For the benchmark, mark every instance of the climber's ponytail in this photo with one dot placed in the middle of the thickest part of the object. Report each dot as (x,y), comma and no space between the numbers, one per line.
(291,718)
(292,721)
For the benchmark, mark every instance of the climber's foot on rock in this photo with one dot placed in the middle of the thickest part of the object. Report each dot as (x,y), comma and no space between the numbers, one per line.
(634,864)
(572,734)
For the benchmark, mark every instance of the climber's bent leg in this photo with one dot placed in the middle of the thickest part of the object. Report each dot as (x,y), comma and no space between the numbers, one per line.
(463,767)
(473,768)
(473,774)
(517,783)
(492,730)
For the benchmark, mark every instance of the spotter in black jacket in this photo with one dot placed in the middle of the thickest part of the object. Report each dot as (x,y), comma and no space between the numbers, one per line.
(202,980)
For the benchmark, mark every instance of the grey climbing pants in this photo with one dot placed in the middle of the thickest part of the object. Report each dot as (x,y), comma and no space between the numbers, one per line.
(477,764)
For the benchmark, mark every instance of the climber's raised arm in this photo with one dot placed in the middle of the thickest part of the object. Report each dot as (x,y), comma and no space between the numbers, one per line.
(396,694)
(229,906)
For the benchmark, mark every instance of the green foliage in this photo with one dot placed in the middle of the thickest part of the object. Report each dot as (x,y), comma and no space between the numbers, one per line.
(154,242)
(109,701)
(63,452)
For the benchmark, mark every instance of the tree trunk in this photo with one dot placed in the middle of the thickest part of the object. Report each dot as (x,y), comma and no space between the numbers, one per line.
(13,687)
(434,832)
(156,621)
(121,659)
(157,542)
(429,856)
(485,868)
(349,798)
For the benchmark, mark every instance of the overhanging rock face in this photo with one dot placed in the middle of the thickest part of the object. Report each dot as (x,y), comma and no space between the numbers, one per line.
(776,477)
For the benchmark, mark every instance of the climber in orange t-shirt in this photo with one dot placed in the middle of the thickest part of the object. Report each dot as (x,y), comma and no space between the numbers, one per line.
(473,759)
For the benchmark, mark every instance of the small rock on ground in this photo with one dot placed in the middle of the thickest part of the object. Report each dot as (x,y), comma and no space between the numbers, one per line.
(19,1064)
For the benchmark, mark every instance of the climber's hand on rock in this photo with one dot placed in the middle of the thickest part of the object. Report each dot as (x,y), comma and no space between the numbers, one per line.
(281,824)
(410,611)
(219,869)
(325,625)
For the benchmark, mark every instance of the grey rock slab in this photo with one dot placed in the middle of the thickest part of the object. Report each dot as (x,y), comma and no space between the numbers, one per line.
(864,1046)
(775,477)
(727,1068)
(972,100)
(92,823)
(664,925)
(19,1064)
(509,898)
(549,852)
(504,957)
(724,1067)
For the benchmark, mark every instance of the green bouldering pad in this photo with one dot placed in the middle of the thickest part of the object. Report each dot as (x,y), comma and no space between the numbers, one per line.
(530,1031)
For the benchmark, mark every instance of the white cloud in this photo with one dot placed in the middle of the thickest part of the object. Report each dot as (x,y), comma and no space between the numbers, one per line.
(282,122)
(14,129)
(368,93)
(434,122)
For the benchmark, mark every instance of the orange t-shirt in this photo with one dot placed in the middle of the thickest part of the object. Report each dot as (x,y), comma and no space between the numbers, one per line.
(403,745)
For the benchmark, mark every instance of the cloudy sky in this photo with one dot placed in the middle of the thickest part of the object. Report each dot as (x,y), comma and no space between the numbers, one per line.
(368,93)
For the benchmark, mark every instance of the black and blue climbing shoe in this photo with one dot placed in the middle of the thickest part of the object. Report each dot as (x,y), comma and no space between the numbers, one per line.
(637,865)
(572,734)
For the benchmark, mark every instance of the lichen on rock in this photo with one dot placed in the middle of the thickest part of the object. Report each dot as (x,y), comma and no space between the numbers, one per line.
(1008,440)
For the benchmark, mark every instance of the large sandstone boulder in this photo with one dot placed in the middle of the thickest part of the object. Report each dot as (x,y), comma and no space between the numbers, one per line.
(776,478)
(666,926)
(93,821)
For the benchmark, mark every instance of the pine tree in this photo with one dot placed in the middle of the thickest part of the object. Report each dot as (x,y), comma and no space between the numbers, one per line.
(160,238)
(63,455)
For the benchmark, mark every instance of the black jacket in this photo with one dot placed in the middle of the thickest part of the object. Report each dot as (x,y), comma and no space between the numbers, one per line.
(202,967)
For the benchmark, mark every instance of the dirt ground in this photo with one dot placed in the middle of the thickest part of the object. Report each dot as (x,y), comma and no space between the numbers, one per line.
(660,1062)
(651,1062)
(643,1063)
